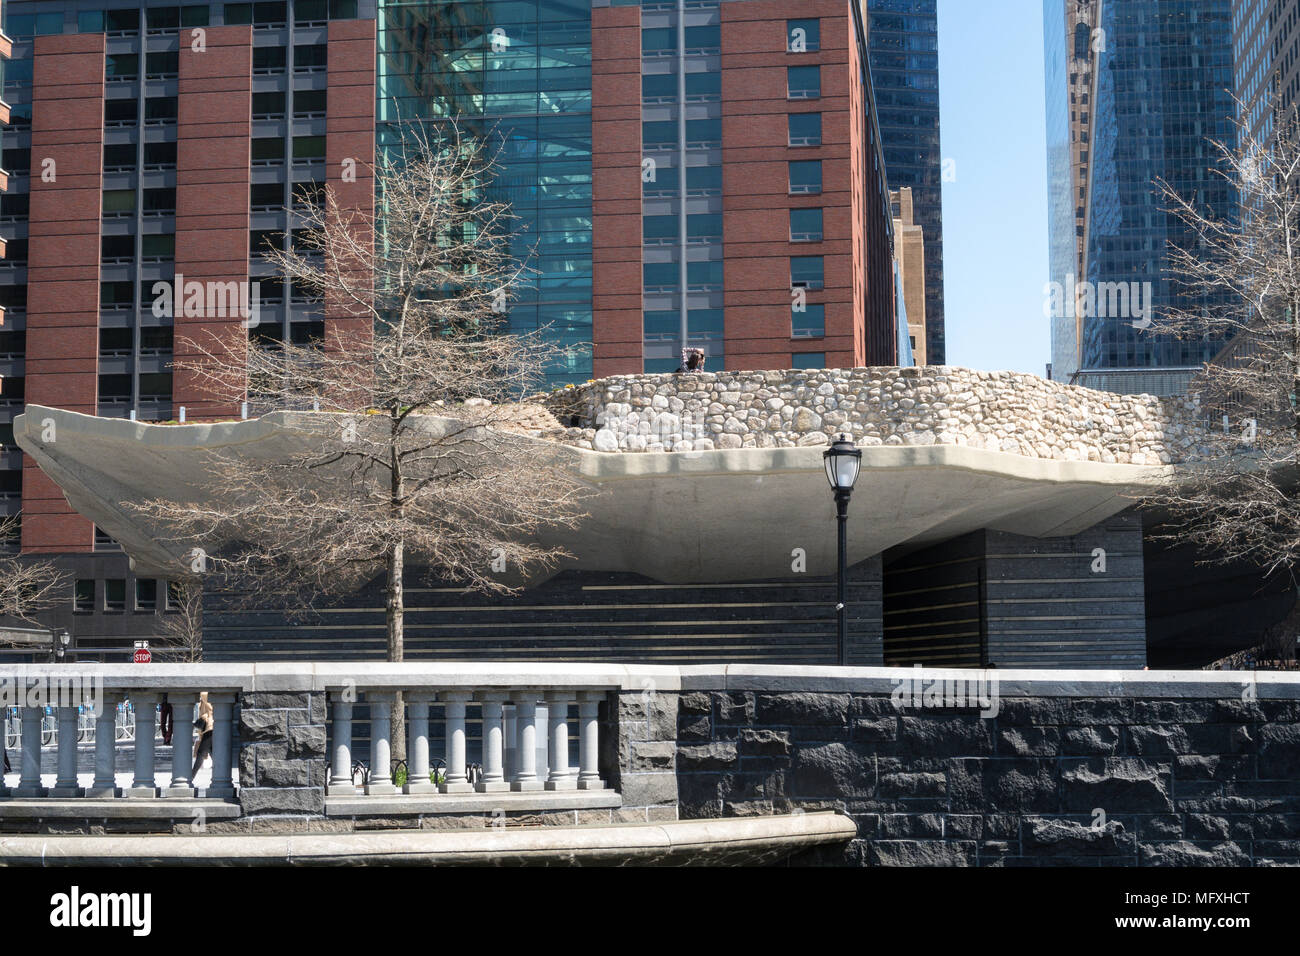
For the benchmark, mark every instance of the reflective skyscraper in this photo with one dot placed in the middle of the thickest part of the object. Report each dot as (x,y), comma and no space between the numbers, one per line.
(904,45)
(1161,79)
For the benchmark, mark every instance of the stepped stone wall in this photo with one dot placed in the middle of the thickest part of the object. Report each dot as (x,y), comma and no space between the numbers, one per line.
(930,405)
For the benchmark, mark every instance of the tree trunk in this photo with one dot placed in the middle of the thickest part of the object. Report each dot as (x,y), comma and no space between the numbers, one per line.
(395,607)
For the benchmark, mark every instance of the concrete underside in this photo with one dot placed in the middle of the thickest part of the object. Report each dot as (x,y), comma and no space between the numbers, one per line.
(746,841)
(723,515)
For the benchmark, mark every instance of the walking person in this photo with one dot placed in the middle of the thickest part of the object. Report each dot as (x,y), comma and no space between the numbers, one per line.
(202,749)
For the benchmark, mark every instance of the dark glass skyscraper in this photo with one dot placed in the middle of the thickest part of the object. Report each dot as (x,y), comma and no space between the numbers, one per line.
(1161,94)
(904,45)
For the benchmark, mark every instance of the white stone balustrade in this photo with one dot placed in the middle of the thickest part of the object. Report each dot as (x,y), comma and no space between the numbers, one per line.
(68,691)
(521,714)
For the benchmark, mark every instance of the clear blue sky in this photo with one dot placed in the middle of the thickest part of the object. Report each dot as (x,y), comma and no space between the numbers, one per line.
(995,210)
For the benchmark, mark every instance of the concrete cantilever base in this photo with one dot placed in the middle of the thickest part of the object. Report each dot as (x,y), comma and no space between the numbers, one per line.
(729,841)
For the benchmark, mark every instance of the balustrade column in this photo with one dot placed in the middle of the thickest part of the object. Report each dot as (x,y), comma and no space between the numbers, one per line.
(453,703)
(65,784)
(4,719)
(29,780)
(589,740)
(510,737)
(144,786)
(105,782)
(525,778)
(558,709)
(493,780)
(381,754)
(341,771)
(223,718)
(417,745)
(182,745)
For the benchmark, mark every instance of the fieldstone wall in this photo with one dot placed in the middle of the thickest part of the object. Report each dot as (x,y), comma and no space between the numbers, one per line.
(1115,781)
(639,744)
(929,405)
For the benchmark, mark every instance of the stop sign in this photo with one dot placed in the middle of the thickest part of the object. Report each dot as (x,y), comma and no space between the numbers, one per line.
(142,655)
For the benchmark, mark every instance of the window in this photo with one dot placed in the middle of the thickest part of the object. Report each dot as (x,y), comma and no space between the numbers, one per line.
(146,594)
(115,595)
(14,206)
(159,155)
(268,104)
(658,42)
(268,59)
(116,341)
(175,595)
(310,58)
(117,248)
(805,129)
(659,135)
(660,275)
(663,183)
(119,156)
(17,160)
(115,388)
(308,148)
(196,16)
(120,112)
(307,102)
(703,180)
(703,87)
(803,36)
(806,176)
(705,323)
(659,88)
(159,202)
(160,109)
(659,230)
(267,150)
(305,333)
(260,239)
(12,345)
(83,596)
(704,227)
(808,360)
(805,225)
(266,196)
(705,39)
(704,276)
(703,133)
(158,247)
(32,24)
(116,295)
(162,64)
(155,340)
(156,386)
(803,82)
(807,272)
(162,18)
(121,66)
(809,323)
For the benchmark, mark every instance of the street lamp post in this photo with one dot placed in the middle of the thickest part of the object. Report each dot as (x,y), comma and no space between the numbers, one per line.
(843,460)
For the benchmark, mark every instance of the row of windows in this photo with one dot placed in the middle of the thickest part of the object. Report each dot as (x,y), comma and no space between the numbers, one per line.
(806,272)
(22,26)
(307,58)
(112,597)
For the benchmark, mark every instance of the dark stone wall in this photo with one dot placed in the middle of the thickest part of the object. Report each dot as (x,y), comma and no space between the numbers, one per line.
(1083,781)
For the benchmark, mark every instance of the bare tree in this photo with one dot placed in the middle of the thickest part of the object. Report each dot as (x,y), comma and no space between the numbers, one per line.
(180,631)
(29,586)
(421,451)
(1239,281)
